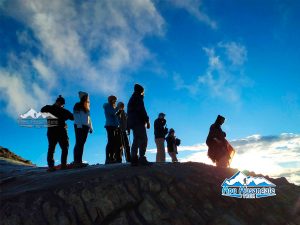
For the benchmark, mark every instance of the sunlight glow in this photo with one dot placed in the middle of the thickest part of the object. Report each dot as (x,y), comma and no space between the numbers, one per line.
(255,163)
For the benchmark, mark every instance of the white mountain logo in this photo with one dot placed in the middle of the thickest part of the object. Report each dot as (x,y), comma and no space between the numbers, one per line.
(242,186)
(32,114)
(240,179)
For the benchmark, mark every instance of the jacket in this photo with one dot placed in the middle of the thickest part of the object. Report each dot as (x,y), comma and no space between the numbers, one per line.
(62,114)
(111,119)
(136,111)
(122,117)
(171,144)
(82,117)
(160,131)
(215,131)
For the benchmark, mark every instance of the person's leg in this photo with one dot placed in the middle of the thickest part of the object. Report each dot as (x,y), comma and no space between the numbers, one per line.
(126,146)
(158,156)
(52,141)
(64,145)
(117,145)
(163,150)
(109,145)
(81,135)
(84,134)
(77,144)
(143,142)
(161,155)
(134,146)
(173,156)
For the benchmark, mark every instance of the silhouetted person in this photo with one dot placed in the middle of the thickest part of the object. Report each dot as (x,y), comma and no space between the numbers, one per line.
(219,150)
(113,147)
(82,125)
(160,132)
(137,121)
(122,116)
(172,143)
(58,133)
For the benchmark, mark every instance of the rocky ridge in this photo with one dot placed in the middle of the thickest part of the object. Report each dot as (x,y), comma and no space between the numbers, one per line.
(166,193)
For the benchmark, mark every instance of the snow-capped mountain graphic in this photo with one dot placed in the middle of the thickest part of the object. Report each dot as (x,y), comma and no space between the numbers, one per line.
(259,181)
(239,179)
(32,114)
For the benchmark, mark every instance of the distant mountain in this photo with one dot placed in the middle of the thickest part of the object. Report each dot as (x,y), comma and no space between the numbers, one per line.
(7,154)
(36,115)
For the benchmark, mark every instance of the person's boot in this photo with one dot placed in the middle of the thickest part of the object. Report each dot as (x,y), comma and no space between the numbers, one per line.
(77,165)
(63,167)
(51,169)
(143,161)
(134,161)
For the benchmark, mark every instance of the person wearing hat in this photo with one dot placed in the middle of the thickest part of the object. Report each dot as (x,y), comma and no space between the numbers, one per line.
(137,121)
(57,133)
(83,126)
(160,132)
(219,150)
(113,147)
(172,143)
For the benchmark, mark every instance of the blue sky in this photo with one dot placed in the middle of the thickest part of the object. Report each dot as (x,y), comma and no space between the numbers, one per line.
(195,58)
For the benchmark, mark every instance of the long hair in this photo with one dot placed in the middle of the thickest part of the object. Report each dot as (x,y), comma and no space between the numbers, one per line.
(85,103)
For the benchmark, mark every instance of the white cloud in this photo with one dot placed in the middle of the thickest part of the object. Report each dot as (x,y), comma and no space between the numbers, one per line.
(90,44)
(180,84)
(270,155)
(194,7)
(19,94)
(46,74)
(236,52)
(224,76)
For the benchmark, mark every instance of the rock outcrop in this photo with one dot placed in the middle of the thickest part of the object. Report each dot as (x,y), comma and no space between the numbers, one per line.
(181,193)
(7,154)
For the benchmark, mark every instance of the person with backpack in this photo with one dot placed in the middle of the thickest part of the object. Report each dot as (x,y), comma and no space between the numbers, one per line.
(138,120)
(83,126)
(219,149)
(160,132)
(113,147)
(172,143)
(57,133)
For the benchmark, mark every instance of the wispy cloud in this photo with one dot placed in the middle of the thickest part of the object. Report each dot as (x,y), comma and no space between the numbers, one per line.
(194,7)
(236,52)
(224,76)
(84,43)
(276,155)
(90,45)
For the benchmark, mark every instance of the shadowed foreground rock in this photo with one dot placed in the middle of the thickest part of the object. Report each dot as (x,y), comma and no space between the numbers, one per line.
(186,193)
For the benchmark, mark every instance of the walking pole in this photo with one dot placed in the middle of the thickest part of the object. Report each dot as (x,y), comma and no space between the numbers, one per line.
(123,147)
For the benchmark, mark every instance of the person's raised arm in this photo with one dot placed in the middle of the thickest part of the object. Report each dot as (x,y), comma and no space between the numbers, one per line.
(46,108)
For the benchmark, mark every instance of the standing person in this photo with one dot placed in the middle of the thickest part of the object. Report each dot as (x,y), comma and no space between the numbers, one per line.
(160,132)
(137,121)
(122,116)
(172,143)
(219,150)
(58,134)
(82,125)
(113,147)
